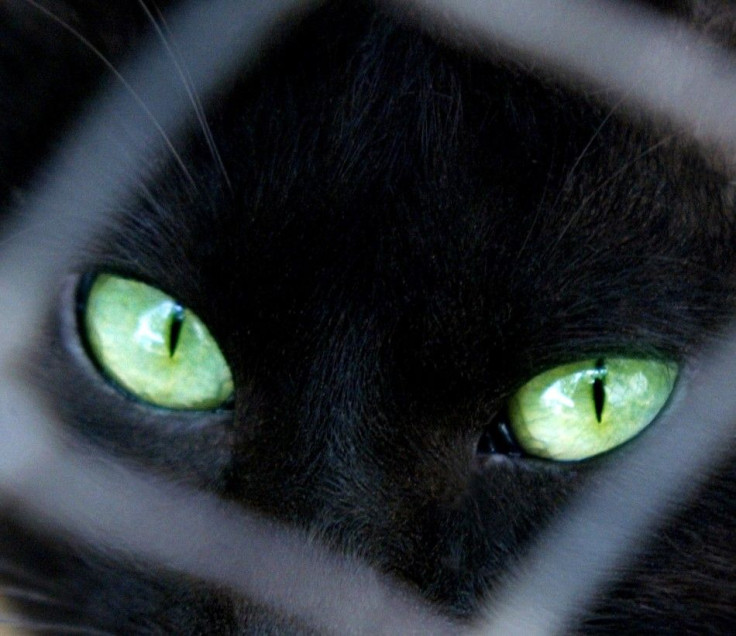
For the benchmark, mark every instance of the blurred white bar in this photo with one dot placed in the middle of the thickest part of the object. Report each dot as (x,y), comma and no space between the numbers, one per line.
(95,500)
(630,54)
(638,55)
(102,503)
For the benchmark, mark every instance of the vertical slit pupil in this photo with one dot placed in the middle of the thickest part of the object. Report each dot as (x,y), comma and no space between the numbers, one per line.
(177,320)
(599,393)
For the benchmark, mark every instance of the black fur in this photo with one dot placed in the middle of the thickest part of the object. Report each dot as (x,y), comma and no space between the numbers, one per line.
(412,232)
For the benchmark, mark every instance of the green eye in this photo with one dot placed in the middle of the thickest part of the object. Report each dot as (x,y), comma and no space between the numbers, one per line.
(582,409)
(153,347)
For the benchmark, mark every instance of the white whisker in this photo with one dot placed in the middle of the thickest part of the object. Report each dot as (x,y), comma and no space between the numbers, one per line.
(119,76)
(568,177)
(48,627)
(19,575)
(583,205)
(31,596)
(169,44)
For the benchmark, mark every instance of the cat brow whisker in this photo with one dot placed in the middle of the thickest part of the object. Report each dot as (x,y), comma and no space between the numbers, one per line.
(159,25)
(568,177)
(581,207)
(119,76)
(582,154)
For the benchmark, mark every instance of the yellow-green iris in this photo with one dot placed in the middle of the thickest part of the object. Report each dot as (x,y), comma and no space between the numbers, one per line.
(578,410)
(153,347)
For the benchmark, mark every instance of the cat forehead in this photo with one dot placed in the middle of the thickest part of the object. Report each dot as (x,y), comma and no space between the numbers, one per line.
(382,126)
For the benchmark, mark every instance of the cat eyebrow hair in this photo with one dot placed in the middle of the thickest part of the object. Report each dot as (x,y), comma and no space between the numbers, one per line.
(645,66)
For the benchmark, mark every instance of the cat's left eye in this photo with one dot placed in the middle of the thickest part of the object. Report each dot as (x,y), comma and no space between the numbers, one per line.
(579,410)
(152,347)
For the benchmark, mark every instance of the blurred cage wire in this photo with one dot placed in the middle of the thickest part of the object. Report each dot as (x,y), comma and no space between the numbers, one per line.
(636,56)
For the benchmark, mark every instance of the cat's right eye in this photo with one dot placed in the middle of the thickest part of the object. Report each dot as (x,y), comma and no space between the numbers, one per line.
(578,410)
(152,347)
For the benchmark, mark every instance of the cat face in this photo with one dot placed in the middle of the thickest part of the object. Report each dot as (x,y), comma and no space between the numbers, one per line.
(369,301)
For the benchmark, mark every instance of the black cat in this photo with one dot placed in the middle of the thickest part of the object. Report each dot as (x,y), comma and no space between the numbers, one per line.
(393,294)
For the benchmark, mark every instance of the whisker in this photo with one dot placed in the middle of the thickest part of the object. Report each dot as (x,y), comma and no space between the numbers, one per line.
(31,596)
(615,175)
(537,214)
(118,75)
(570,174)
(581,155)
(13,575)
(159,24)
(51,627)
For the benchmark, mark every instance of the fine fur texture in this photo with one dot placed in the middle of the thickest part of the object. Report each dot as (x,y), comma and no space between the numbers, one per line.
(400,234)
